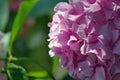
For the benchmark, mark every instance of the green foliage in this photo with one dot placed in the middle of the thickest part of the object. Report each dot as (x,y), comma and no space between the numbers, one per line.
(3,14)
(25,8)
(16,72)
(42,75)
(55,63)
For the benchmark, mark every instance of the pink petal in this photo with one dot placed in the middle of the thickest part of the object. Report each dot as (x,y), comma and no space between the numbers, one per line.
(99,74)
(116,48)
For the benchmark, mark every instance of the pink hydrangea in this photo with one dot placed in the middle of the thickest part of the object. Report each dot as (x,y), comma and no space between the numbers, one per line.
(85,34)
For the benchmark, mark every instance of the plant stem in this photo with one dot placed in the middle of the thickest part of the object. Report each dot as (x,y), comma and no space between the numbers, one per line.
(9,75)
(9,54)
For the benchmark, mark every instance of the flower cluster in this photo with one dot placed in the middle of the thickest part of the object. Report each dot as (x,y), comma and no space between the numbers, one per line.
(85,34)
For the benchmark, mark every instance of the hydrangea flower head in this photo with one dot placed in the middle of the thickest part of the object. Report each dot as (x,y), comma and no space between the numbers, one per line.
(85,34)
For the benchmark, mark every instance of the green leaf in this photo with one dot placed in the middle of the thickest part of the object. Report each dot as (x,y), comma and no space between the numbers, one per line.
(3,14)
(40,74)
(16,72)
(23,12)
(55,63)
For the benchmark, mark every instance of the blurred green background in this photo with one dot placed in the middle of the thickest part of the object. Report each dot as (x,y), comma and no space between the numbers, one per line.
(31,46)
